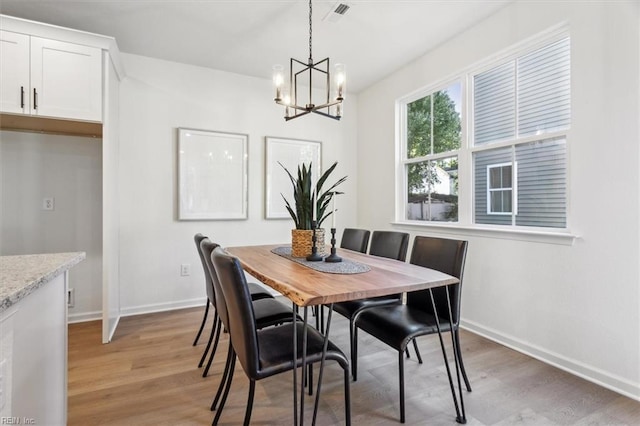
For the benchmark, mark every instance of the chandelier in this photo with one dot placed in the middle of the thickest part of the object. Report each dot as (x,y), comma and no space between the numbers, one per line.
(305,73)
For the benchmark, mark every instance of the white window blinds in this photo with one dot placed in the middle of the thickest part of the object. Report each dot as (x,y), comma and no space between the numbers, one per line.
(527,96)
(494,102)
(543,89)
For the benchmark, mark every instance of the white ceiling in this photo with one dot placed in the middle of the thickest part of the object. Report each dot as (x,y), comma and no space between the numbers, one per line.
(373,39)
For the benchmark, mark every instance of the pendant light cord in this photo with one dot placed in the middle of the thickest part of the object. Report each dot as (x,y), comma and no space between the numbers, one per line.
(310,56)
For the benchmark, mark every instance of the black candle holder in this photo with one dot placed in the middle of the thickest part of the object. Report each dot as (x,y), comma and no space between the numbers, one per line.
(333,257)
(314,256)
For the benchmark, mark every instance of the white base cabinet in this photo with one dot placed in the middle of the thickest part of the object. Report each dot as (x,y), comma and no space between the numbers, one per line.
(34,357)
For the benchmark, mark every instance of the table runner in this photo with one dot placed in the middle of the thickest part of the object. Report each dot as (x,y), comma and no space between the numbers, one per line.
(345,267)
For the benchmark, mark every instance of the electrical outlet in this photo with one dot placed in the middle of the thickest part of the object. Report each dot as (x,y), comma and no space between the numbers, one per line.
(71,298)
(47,204)
(185,270)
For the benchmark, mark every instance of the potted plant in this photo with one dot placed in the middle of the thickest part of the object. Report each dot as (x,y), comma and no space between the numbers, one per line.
(306,198)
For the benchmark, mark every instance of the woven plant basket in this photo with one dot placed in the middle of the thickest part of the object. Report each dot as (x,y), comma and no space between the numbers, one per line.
(301,242)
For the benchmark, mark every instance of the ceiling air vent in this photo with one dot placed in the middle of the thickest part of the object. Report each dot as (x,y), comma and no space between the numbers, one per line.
(341,9)
(337,11)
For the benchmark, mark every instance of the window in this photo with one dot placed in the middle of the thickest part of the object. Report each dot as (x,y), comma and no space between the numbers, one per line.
(433,138)
(513,156)
(500,189)
(518,105)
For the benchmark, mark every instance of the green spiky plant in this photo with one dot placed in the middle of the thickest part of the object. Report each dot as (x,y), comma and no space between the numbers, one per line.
(303,196)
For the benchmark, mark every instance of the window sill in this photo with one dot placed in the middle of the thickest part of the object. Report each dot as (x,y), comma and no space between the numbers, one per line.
(564,238)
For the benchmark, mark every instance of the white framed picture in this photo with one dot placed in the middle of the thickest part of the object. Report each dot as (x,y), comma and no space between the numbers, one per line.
(212,175)
(290,153)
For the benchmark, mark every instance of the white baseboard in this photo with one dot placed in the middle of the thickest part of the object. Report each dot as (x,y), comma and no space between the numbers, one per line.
(161,307)
(84,317)
(139,310)
(603,378)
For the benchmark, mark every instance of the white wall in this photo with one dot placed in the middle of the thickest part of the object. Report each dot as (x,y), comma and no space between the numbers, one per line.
(69,169)
(574,306)
(156,98)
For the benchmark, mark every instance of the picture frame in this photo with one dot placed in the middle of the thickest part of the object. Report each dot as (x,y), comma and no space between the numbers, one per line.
(212,175)
(290,153)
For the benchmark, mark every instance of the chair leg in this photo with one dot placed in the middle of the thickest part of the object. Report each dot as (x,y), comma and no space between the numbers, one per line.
(318,312)
(226,393)
(456,336)
(347,398)
(401,374)
(406,351)
(206,349)
(204,321)
(225,375)
(354,354)
(308,378)
(352,343)
(415,346)
(247,414)
(216,340)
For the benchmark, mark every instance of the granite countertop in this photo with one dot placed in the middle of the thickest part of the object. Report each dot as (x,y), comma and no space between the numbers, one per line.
(22,275)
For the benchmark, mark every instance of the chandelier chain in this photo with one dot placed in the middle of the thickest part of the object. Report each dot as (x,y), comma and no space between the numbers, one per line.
(310,33)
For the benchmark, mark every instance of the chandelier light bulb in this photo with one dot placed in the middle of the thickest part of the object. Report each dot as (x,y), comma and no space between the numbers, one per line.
(339,71)
(278,80)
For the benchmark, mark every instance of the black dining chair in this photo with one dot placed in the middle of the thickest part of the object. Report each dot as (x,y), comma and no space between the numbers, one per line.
(257,292)
(267,352)
(268,311)
(352,239)
(389,244)
(399,324)
(355,239)
(198,238)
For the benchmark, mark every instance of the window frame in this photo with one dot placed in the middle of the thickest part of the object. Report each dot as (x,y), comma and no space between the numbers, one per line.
(513,188)
(465,154)
(402,158)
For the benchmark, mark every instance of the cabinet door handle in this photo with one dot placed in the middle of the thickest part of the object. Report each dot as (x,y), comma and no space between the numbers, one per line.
(35,99)
(21,96)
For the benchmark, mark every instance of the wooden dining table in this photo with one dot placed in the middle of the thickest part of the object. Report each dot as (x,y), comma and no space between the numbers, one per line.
(306,287)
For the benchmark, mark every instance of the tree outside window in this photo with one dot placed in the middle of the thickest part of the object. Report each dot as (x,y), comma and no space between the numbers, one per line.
(433,134)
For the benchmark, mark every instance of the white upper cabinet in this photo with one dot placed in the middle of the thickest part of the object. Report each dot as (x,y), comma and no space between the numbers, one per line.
(59,80)
(66,80)
(14,73)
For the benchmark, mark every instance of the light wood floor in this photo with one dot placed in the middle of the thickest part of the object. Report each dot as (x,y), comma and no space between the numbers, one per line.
(148,375)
